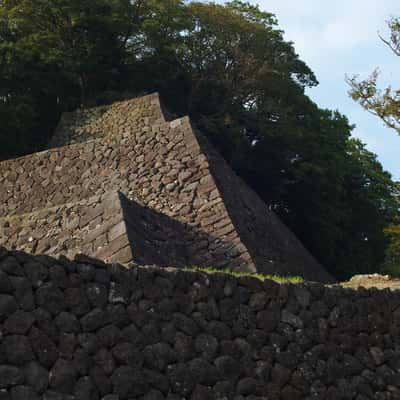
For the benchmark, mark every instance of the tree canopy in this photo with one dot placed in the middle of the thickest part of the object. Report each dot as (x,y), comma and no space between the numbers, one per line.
(392,261)
(228,67)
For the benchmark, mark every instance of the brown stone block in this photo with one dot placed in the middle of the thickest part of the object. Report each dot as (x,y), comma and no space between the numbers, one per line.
(122,256)
(113,247)
(204,189)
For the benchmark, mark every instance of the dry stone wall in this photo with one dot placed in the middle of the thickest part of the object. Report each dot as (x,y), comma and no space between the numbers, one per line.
(165,172)
(80,330)
(163,166)
(87,124)
(78,171)
(95,227)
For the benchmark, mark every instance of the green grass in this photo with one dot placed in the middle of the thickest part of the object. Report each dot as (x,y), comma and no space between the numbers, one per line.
(262,277)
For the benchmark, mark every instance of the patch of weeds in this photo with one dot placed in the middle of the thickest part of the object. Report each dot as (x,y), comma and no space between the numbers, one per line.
(262,277)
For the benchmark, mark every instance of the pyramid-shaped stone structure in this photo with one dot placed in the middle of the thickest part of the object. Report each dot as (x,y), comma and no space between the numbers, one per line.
(122,183)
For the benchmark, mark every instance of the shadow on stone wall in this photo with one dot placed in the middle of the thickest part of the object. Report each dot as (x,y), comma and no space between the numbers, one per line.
(274,249)
(158,239)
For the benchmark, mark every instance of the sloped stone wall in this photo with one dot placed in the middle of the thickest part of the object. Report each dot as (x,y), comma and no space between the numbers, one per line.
(107,121)
(163,166)
(160,167)
(94,227)
(79,330)
(79,171)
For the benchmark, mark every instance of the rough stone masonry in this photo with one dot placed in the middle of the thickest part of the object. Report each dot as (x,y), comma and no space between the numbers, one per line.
(121,183)
(81,330)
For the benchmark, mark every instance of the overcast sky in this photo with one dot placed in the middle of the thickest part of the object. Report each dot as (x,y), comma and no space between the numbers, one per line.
(339,38)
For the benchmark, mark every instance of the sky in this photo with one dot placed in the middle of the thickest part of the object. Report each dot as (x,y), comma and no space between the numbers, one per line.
(339,38)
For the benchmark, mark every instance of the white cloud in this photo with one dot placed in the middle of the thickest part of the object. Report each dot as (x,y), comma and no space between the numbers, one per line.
(317,28)
(339,38)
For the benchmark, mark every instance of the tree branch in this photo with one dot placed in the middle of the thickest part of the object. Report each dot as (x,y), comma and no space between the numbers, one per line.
(396,50)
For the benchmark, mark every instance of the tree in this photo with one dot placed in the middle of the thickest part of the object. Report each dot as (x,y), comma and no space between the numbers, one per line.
(392,261)
(384,103)
(54,55)
(81,39)
(370,198)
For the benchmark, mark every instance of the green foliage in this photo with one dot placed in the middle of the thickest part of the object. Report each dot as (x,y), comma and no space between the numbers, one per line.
(228,67)
(384,103)
(370,206)
(53,55)
(261,277)
(392,261)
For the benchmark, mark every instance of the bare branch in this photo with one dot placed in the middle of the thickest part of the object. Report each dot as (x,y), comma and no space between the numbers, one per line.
(395,49)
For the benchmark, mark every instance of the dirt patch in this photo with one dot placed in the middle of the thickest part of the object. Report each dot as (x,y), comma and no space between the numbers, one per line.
(373,280)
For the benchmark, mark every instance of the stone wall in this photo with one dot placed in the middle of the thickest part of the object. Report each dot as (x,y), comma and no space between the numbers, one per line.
(167,168)
(81,330)
(81,170)
(94,227)
(161,168)
(93,123)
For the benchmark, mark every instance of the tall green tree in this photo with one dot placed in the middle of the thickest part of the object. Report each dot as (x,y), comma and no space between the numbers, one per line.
(371,200)
(55,54)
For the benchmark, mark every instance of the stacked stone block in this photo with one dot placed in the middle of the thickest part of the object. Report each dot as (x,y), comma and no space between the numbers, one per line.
(95,227)
(166,167)
(88,124)
(78,330)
